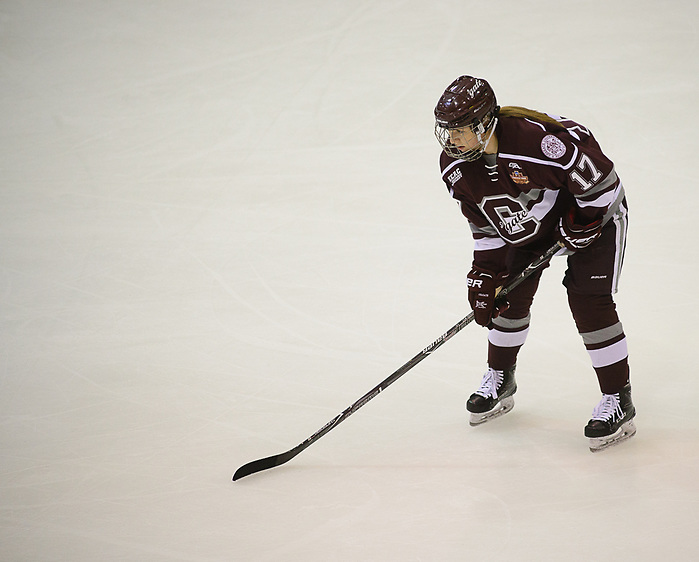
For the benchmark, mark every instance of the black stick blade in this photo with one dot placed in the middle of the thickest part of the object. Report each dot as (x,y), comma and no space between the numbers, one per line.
(264,464)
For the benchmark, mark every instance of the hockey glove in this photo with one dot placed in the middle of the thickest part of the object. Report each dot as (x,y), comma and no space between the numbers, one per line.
(574,236)
(482,295)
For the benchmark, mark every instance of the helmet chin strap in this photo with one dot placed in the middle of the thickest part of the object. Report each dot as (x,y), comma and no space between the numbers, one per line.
(474,154)
(490,134)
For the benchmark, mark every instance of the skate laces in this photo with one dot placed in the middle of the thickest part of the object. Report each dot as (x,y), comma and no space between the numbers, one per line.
(608,408)
(490,383)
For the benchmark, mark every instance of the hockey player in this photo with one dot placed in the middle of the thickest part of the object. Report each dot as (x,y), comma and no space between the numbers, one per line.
(525,180)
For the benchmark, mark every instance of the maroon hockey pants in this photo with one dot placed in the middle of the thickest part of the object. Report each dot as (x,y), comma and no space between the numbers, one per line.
(590,281)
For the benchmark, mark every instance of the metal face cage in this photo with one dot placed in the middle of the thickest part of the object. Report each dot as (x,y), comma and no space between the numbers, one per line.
(482,131)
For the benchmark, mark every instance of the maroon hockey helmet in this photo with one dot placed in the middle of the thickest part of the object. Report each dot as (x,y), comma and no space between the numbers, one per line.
(468,103)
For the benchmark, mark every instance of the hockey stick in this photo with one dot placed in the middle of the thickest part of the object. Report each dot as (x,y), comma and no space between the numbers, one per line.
(276,460)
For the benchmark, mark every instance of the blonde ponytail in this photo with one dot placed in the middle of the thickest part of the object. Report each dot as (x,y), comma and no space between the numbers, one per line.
(524,113)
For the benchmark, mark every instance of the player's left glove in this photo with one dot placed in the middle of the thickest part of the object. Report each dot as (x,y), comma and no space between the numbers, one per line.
(575,236)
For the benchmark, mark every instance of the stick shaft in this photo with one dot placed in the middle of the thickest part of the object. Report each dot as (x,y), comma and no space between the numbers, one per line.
(276,460)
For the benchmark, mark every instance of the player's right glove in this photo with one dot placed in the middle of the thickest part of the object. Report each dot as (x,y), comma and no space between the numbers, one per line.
(482,295)
(575,236)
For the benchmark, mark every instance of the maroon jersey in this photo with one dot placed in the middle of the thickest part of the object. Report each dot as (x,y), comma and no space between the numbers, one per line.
(517,197)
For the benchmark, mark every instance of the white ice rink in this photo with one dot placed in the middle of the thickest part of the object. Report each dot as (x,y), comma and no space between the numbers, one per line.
(222,222)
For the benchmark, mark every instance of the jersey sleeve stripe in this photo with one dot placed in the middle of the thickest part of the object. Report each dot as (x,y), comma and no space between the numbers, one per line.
(605,200)
(482,244)
(605,184)
(479,231)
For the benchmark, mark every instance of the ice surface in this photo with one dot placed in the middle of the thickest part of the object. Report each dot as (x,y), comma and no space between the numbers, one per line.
(221,223)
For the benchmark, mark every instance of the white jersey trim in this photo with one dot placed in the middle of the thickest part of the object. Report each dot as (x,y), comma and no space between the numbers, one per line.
(450,166)
(544,162)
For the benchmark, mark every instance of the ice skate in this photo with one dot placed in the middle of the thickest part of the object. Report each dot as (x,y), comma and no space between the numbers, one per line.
(494,397)
(612,421)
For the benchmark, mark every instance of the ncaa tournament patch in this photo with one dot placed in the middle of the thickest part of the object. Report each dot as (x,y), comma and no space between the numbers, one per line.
(518,177)
(553,147)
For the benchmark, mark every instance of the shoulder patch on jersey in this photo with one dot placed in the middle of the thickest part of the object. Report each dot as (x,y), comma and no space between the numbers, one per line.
(454,176)
(519,177)
(553,147)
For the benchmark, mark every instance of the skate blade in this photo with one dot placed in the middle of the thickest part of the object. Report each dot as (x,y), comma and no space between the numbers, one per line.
(500,409)
(624,433)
